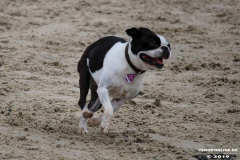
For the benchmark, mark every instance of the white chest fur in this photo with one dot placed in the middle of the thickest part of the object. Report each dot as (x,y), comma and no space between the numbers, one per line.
(125,90)
(112,74)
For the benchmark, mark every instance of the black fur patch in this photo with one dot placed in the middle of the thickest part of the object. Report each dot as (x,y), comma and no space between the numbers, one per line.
(97,51)
(143,39)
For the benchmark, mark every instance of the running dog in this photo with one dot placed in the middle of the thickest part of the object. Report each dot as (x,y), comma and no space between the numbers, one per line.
(114,67)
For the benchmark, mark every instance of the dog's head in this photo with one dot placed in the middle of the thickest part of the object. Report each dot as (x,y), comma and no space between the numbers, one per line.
(149,48)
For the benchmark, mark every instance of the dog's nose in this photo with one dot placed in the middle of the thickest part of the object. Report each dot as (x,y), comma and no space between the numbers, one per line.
(166,52)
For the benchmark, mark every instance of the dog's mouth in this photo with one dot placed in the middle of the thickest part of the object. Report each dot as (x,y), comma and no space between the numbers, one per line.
(157,62)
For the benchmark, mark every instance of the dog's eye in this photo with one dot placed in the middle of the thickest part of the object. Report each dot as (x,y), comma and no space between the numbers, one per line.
(154,44)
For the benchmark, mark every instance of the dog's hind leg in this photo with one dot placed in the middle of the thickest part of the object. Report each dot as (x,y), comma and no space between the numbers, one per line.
(94,103)
(84,83)
(93,106)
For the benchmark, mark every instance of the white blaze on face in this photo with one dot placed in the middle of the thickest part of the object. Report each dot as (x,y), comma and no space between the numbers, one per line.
(164,42)
(155,53)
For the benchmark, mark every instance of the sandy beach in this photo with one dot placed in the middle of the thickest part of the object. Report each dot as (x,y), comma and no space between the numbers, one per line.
(192,103)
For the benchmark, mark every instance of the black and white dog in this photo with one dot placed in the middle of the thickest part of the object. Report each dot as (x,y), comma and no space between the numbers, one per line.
(114,67)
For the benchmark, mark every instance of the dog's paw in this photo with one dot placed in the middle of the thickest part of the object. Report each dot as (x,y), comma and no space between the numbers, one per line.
(87,114)
(83,125)
(82,130)
(94,121)
(105,126)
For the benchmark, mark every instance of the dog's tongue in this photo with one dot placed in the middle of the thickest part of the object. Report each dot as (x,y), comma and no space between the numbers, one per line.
(159,60)
(156,60)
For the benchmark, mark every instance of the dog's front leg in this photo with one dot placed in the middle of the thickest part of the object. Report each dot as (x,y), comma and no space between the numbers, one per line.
(116,104)
(108,109)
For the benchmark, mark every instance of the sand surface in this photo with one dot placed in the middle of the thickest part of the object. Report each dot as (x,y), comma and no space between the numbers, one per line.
(41,42)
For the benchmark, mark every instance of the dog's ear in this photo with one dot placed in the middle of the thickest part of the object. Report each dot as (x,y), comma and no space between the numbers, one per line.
(133,32)
(146,30)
